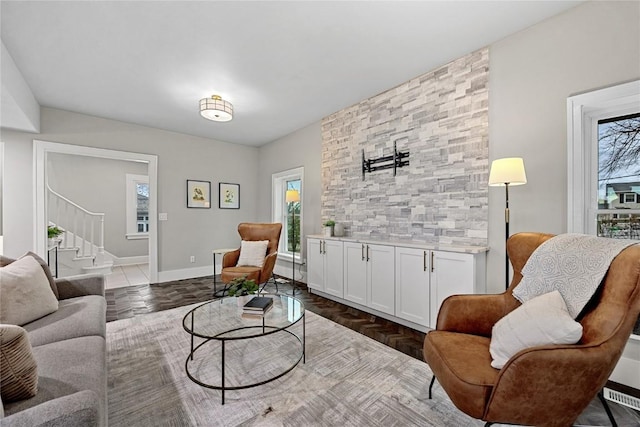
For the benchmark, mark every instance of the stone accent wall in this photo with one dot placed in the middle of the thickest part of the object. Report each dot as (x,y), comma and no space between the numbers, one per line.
(442,118)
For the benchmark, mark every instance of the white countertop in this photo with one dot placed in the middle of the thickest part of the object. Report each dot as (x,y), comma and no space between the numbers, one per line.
(407,244)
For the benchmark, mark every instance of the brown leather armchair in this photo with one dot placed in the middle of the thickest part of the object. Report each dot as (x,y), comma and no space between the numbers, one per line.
(253,232)
(543,386)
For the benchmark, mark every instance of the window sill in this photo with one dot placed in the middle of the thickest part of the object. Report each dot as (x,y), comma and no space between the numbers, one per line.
(285,256)
(137,236)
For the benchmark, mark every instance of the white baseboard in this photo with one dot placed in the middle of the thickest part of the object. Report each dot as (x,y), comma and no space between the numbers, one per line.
(128,260)
(360,307)
(285,271)
(185,273)
(190,273)
(627,372)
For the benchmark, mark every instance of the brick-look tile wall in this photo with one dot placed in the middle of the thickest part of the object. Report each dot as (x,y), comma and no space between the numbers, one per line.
(442,196)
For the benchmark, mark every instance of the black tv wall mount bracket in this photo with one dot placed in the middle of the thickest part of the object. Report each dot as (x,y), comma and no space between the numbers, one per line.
(395,161)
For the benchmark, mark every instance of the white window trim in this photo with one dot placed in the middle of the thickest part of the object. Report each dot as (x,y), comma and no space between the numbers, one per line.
(277,197)
(583,113)
(131,204)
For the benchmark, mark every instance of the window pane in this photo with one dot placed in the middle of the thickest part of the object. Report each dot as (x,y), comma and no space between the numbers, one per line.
(293,218)
(619,177)
(619,226)
(142,207)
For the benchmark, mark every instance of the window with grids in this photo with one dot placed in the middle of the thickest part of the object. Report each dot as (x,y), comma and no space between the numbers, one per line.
(137,206)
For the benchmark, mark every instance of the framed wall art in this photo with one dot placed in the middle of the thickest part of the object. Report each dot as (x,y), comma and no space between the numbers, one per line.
(229,196)
(198,194)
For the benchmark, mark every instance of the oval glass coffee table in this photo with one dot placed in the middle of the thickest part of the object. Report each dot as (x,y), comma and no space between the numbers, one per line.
(240,351)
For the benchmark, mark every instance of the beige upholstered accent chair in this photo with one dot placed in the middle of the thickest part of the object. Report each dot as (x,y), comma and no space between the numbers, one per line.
(542,386)
(253,232)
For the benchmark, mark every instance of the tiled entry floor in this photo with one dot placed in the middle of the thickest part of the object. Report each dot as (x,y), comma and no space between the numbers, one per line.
(127,275)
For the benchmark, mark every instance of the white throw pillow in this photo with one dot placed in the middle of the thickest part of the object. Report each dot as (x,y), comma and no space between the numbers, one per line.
(26,294)
(252,253)
(540,321)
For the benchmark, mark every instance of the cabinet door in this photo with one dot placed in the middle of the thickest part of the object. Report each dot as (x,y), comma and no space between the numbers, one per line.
(380,277)
(452,274)
(315,265)
(355,272)
(333,270)
(412,285)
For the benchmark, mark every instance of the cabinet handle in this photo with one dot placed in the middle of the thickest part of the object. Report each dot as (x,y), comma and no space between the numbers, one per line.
(362,252)
(367,253)
(432,261)
(324,247)
(424,261)
(320,248)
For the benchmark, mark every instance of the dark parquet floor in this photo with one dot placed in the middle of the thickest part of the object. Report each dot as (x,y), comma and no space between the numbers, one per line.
(132,301)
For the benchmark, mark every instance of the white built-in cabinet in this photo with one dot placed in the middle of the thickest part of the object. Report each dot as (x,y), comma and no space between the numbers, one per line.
(380,265)
(324,258)
(412,271)
(368,275)
(451,274)
(355,273)
(402,283)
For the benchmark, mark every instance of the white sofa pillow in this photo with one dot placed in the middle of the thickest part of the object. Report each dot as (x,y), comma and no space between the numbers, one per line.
(252,253)
(542,320)
(26,294)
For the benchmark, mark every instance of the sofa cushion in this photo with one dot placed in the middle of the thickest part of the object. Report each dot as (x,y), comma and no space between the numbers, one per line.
(4,261)
(542,320)
(252,253)
(250,273)
(26,293)
(18,369)
(65,368)
(461,362)
(80,409)
(75,317)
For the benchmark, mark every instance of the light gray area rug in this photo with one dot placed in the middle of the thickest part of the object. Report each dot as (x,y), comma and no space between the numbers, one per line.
(347,380)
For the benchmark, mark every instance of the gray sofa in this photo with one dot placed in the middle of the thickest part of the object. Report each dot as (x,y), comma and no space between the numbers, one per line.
(69,346)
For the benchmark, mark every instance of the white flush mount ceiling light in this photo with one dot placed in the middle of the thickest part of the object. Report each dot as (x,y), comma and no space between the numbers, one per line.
(216,109)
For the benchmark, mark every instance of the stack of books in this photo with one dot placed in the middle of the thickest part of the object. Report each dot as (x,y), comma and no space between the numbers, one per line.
(257,306)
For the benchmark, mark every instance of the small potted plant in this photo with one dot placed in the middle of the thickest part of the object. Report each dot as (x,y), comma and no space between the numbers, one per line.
(52,234)
(328,227)
(242,288)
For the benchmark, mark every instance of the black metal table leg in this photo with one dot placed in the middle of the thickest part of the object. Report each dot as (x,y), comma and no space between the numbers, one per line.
(192,314)
(215,282)
(222,372)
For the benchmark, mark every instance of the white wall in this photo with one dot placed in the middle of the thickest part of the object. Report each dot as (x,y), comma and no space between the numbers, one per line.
(594,45)
(19,107)
(180,157)
(300,148)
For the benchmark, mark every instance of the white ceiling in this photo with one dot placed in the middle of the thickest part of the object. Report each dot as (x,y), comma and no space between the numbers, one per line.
(283,65)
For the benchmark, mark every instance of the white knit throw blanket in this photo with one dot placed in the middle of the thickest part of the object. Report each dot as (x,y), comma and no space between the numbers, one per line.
(573,264)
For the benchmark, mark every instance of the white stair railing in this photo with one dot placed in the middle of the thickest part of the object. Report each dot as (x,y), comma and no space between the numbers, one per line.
(79,224)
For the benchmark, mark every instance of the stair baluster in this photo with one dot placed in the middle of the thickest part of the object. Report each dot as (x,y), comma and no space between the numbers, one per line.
(72,217)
